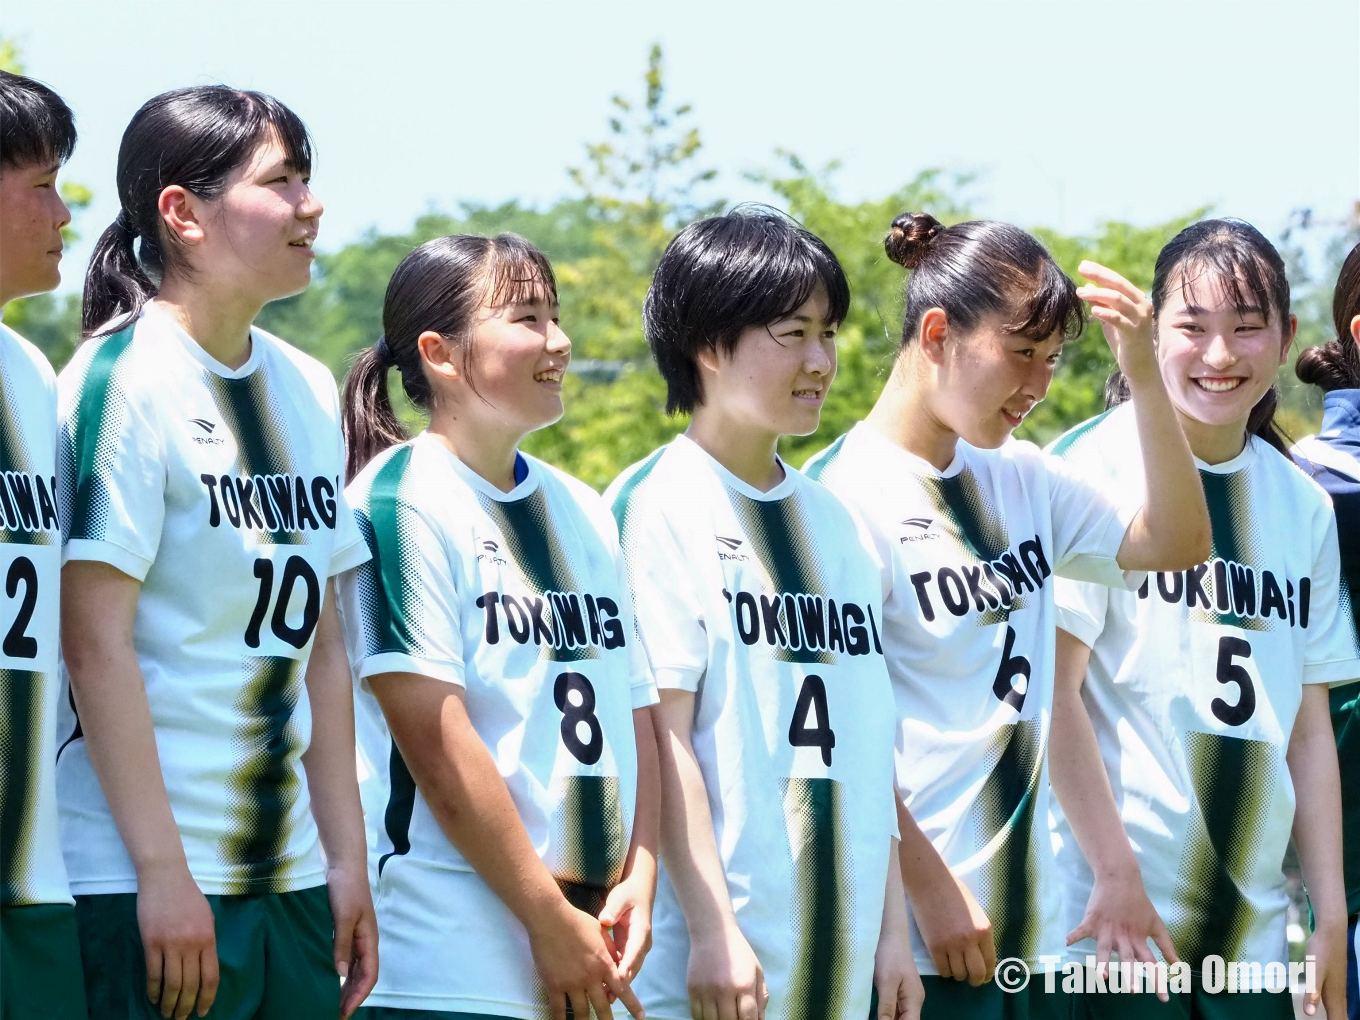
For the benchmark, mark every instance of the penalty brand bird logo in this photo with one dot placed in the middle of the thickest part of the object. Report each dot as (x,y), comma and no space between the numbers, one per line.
(921,529)
(207,426)
(727,549)
(490,551)
(203,423)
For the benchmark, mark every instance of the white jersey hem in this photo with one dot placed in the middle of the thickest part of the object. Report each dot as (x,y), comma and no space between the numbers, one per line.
(1335,673)
(90,550)
(115,886)
(400,662)
(456,1004)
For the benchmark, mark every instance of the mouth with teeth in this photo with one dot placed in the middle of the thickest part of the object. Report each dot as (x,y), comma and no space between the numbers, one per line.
(813,395)
(1219,384)
(552,377)
(302,242)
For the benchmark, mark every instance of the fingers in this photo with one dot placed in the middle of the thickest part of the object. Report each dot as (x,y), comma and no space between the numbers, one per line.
(975,965)
(155,972)
(1108,278)
(344,937)
(729,1006)
(188,989)
(941,958)
(171,978)
(557,1001)
(887,998)
(988,946)
(1081,931)
(1163,939)
(747,1006)
(597,999)
(762,994)
(625,994)
(209,976)
(362,971)
(1310,1003)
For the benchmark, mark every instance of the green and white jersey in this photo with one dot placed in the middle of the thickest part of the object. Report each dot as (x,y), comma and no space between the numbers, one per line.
(31,868)
(1193,685)
(969,555)
(519,599)
(219,490)
(767,606)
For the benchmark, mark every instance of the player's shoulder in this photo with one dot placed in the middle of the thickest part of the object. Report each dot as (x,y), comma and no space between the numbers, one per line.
(23,358)
(1285,478)
(819,495)
(828,462)
(1091,438)
(645,485)
(384,477)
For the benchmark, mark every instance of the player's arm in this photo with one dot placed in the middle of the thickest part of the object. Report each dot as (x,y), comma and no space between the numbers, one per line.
(98,608)
(1119,915)
(628,910)
(900,992)
(464,789)
(1171,531)
(1317,837)
(725,979)
(955,928)
(333,785)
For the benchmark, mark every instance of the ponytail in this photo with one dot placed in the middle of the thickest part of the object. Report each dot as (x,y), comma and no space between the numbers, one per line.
(116,286)
(1335,365)
(437,288)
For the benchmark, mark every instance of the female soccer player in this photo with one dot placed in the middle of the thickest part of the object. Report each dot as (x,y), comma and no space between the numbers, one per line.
(758,603)
(971,529)
(1207,688)
(505,721)
(204,517)
(1332,458)
(39,947)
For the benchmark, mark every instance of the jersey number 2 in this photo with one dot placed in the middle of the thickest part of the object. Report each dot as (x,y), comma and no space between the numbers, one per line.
(17,644)
(295,570)
(812,697)
(1229,672)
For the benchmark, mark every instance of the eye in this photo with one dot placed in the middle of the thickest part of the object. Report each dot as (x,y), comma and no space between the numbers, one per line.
(1054,357)
(1026,352)
(1189,327)
(531,317)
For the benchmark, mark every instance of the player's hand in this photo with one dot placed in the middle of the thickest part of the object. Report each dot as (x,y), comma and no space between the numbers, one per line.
(955,928)
(356,933)
(577,961)
(1121,918)
(900,992)
(1125,316)
(1328,946)
(179,941)
(628,912)
(726,981)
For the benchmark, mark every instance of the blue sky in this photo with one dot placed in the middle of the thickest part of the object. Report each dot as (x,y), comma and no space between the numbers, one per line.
(1069,113)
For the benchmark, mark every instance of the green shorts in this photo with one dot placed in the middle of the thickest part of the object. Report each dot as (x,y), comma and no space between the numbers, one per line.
(274,954)
(948,999)
(392,1013)
(1193,1005)
(40,963)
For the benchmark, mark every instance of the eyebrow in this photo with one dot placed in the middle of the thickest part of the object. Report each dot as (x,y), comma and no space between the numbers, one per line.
(1248,310)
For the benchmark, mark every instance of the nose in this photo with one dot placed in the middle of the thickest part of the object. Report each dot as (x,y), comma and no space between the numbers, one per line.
(1037,380)
(63,211)
(1217,354)
(820,359)
(558,341)
(311,207)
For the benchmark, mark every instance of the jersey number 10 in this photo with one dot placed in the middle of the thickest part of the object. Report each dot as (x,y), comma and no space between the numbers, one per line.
(295,570)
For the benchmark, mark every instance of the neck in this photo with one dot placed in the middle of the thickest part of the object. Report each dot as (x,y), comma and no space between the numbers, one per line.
(749,454)
(903,415)
(1214,444)
(487,450)
(218,319)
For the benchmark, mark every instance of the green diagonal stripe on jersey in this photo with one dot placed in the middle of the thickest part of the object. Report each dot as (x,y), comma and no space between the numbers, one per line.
(99,418)
(823,880)
(1233,779)
(262,783)
(1234,536)
(21,701)
(1003,819)
(261,439)
(780,535)
(531,535)
(389,588)
(590,833)
(623,499)
(1077,433)
(975,525)
(821,463)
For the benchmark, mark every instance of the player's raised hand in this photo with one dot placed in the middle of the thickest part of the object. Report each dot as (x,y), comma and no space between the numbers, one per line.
(1125,316)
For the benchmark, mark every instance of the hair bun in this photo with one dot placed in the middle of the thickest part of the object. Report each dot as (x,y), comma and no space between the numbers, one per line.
(910,238)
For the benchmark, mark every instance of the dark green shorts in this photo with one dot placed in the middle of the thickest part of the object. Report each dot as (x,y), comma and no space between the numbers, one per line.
(948,999)
(40,963)
(1194,1005)
(392,1013)
(274,952)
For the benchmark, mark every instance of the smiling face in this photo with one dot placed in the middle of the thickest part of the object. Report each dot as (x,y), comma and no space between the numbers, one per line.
(1218,360)
(31,217)
(775,380)
(987,380)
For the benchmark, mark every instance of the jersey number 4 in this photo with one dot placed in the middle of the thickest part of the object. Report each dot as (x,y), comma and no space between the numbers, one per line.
(295,570)
(812,698)
(1229,672)
(17,643)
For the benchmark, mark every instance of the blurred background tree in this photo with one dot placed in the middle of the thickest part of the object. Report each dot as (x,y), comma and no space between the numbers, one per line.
(633,191)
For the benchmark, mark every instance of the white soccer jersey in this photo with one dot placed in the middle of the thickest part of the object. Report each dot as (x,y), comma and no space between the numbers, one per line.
(1193,686)
(519,599)
(767,606)
(219,490)
(968,555)
(31,869)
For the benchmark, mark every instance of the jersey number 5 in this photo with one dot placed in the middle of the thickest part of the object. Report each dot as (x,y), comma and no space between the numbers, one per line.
(1229,672)
(17,643)
(295,570)
(812,697)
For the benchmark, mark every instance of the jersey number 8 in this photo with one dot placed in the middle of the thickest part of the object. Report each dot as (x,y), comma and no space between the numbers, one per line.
(578,712)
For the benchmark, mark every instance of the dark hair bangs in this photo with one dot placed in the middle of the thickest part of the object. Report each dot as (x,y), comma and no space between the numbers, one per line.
(36,125)
(1237,259)
(517,273)
(263,116)
(1236,275)
(1053,308)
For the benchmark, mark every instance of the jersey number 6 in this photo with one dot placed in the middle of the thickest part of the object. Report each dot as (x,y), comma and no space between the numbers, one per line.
(1229,672)
(296,569)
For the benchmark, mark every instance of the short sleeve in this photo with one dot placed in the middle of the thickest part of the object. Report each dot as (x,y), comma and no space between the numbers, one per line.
(1332,648)
(669,611)
(1081,608)
(112,463)
(642,685)
(1088,528)
(401,608)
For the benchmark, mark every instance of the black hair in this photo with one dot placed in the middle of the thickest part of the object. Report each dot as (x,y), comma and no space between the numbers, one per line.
(1335,365)
(1237,257)
(980,268)
(36,125)
(437,287)
(751,266)
(195,138)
